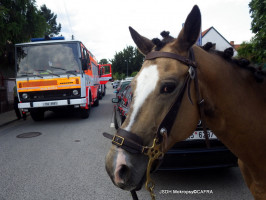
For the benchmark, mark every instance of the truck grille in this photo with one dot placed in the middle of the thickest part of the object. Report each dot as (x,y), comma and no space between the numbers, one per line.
(50,95)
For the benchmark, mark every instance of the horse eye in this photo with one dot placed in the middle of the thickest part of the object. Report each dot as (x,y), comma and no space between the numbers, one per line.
(168,88)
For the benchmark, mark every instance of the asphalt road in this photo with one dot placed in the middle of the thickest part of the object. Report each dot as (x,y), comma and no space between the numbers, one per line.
(67,162)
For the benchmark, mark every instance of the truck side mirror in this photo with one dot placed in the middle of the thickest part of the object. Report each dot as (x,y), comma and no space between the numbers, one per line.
(84,64)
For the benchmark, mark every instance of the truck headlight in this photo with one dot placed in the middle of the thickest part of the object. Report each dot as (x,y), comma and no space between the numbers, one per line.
(25,95)
(75,92)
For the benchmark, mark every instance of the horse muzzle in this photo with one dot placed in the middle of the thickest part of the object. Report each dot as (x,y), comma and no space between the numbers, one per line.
(126,170)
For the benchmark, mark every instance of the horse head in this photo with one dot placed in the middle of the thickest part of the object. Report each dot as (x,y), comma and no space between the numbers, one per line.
(155,89)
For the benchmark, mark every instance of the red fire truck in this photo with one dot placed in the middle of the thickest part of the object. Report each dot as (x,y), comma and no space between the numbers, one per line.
(105,71)
(55,74)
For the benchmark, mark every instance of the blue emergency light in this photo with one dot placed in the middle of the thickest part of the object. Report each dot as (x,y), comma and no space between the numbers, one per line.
(46,39)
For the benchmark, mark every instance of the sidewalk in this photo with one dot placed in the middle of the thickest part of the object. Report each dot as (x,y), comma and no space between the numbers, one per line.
(7,117)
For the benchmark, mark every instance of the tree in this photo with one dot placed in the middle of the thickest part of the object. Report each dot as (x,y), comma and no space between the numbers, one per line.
(134,74)
(103,61)
(127,61)
(255,49)
(20,20)
(51,24)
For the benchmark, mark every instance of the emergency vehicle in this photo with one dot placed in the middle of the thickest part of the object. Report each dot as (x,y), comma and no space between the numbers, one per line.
(105,71)
(55,74)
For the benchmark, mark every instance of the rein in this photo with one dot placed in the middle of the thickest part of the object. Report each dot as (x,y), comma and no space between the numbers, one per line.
(133,143)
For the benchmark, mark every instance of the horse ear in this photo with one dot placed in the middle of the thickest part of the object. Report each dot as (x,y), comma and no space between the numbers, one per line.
(144,45)
(191,30)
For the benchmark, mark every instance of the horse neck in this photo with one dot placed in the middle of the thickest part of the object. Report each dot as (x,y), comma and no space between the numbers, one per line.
(234,106)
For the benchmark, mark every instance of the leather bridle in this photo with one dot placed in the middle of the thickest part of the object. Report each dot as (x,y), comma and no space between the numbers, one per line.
(134,144)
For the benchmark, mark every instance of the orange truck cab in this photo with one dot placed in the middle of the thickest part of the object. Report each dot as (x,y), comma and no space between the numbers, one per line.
(105,73)
(56,74)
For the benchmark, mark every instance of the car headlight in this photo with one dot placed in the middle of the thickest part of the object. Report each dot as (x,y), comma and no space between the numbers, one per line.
(75,92)
(25,95)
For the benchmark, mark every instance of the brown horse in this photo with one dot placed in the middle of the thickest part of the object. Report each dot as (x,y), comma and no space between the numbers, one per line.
(234,108)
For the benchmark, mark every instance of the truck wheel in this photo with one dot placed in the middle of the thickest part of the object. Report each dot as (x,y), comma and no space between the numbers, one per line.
(37,115)
(101,93)
(104,88)
(85,113)
(96,103)
(24,115)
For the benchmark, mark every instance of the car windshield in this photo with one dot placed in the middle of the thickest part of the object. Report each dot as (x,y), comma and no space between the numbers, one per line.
(47,59)
(123,85)
(127,97)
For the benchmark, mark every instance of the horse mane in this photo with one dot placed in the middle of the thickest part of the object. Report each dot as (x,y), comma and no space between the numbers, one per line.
(159,44)
(228,53)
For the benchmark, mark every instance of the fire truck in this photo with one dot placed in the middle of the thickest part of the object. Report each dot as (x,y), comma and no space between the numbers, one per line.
(56,74)
(105,71)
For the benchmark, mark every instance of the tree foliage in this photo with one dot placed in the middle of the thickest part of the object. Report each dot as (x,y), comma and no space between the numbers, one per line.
(51,25)
(22,20)
(126,62)
(103,61)
(255,49)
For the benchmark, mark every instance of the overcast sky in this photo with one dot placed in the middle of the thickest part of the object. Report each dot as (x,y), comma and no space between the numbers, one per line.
(102,25)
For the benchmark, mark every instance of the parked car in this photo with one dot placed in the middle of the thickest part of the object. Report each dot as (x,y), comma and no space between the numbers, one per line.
(189,154)
(129,78)
(121,87)
(115,84)
(122,102)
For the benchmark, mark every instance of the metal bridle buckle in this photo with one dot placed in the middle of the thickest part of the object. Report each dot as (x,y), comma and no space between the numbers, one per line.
(191,71)
(116,139)
(154,152)
(163,131)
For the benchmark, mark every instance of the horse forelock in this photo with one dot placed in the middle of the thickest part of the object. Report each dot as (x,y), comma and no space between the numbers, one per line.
(159,44)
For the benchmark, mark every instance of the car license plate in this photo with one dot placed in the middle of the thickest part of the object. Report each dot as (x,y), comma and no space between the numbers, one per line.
(52,103)
(199,135)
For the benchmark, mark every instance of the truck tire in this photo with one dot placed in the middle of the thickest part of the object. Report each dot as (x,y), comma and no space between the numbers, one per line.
(85,113)
(96,103)
(37,115)
(101,93)
(104,88)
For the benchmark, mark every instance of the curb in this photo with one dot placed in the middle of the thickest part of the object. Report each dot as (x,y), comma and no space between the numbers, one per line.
(6,123)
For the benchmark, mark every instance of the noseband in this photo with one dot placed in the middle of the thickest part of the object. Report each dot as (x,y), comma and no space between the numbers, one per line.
(134,144)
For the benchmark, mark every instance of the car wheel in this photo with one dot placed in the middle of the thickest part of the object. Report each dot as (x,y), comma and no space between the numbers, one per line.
(115,120)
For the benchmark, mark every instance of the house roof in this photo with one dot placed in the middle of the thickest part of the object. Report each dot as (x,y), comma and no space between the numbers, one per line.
(204,32)
(235,46)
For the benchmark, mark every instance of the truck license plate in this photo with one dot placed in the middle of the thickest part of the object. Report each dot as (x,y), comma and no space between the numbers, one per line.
(50,103)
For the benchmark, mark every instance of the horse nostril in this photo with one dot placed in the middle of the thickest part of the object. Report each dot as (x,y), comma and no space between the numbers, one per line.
(124,173)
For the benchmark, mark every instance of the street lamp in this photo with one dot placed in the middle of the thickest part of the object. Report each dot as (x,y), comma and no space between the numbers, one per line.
(127,68)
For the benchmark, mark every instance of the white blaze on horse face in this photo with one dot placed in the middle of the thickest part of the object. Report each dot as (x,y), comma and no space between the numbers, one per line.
(145,85)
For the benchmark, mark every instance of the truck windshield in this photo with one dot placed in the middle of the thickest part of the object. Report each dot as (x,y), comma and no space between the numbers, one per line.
(48,59)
